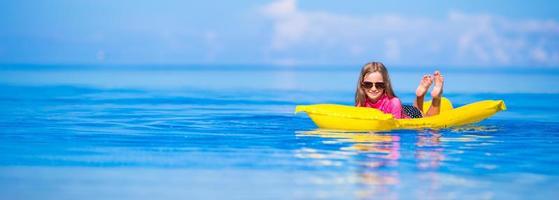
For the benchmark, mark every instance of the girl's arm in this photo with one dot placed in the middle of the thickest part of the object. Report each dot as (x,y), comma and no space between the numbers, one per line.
(396,110)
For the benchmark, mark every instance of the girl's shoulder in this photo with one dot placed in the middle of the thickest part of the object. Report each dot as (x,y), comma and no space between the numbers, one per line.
(395,101)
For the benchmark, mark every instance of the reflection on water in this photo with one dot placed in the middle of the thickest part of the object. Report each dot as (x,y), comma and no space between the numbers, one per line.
(473,129)
(378,159)
(429,152)
(368,152)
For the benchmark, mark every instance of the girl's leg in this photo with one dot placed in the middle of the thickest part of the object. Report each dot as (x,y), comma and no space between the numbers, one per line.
(436,93)
(424,85)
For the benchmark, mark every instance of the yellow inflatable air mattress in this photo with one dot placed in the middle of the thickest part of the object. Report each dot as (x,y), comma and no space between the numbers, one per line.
(341,117)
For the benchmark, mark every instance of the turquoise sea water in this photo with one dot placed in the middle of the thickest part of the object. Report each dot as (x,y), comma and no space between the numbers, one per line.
(74,132)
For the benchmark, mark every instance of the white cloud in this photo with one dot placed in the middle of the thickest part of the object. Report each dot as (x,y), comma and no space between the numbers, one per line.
(392,49)
(280,8)
(212,45)
(290,25)
(458,39)
(101,55)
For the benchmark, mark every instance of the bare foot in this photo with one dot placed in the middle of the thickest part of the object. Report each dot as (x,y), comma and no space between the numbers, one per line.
(424,85)
(439,82)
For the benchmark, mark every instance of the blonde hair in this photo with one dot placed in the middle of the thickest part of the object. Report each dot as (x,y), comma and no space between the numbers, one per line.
(368,68)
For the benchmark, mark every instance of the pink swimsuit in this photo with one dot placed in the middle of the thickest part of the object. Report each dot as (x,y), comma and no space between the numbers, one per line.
(387,105)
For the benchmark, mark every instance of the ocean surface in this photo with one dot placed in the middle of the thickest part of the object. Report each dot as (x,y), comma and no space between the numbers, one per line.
(227,132)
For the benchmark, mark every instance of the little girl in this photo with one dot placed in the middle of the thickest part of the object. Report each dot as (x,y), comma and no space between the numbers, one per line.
(374,90)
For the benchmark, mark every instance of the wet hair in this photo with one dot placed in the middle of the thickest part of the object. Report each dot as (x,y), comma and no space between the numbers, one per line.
(368,68)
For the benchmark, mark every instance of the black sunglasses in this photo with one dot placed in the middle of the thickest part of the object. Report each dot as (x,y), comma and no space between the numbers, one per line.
(369,85)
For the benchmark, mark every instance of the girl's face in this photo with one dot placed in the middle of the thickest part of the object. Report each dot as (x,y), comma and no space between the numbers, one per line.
(373,85)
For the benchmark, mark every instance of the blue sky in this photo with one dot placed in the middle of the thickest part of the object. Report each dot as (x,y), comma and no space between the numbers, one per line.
(281,32)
